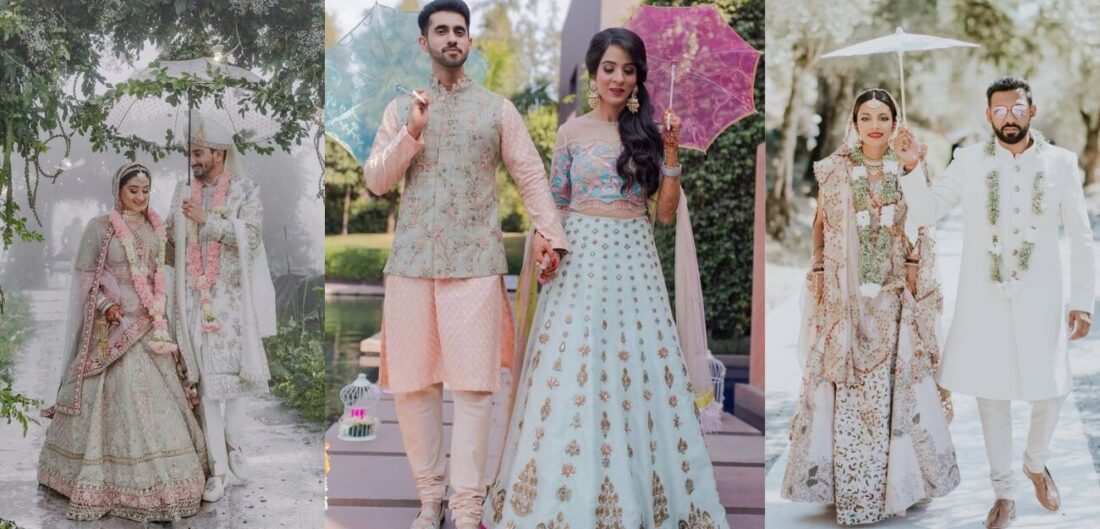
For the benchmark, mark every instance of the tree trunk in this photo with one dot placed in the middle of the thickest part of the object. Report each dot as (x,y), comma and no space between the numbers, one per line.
(347,208)
(1091,156)
(779,200)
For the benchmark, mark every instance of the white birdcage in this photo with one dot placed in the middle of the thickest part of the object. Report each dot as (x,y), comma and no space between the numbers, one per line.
(710,418)
(360,398)
(718,377)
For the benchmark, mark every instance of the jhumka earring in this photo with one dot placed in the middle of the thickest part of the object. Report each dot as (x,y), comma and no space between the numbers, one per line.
(593,95)
(632,104)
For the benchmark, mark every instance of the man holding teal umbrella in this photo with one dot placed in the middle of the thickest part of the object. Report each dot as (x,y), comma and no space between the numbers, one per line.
(446,316)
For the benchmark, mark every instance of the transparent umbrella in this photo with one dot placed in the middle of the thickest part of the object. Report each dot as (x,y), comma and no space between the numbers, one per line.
(365,68)
(165,121)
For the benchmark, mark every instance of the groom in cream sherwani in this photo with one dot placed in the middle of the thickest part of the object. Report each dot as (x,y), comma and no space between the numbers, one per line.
(1008,336)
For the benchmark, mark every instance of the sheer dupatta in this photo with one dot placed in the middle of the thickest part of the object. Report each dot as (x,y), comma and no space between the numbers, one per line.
(91,344)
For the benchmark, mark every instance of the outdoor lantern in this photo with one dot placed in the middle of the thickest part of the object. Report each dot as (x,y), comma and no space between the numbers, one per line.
(360,400)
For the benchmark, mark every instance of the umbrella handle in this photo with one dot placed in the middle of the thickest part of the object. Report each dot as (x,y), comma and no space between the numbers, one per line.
(901,68)
(671,87)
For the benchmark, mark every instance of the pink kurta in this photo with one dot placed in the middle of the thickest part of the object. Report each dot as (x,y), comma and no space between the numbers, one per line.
(447,317)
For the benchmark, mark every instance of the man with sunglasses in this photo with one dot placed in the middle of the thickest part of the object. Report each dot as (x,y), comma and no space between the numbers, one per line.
(1008,336)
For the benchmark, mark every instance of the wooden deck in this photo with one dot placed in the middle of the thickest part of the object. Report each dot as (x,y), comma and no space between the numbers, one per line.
(369,484)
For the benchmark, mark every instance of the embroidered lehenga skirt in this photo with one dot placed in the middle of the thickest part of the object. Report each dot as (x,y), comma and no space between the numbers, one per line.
(605,432)
(879,444)
(135,451)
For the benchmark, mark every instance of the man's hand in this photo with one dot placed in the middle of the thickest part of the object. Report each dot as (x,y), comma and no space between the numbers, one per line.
(193,211)
(546,259)
(113,315)
(1079,323)
(418,114)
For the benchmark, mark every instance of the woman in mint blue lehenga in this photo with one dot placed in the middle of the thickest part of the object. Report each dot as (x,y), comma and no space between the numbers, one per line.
(604,431)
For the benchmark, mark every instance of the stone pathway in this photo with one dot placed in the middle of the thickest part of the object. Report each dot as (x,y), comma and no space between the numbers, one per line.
(285,454)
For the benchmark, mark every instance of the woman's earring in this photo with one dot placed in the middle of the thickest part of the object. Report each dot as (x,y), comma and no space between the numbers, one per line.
(593,95)
(632,104)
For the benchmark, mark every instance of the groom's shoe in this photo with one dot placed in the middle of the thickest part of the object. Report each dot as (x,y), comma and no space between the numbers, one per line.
(1045,489)
(238,465)
(1001,515)
(430,517)
(215,488)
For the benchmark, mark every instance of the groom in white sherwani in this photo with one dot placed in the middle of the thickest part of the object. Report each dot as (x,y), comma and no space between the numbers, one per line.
(1008,336)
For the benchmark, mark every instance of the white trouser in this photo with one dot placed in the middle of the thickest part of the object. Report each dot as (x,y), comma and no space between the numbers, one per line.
(222,428)
(420,418)
(997,428)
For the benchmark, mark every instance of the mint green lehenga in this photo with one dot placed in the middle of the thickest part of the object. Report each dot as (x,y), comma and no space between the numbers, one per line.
(604,433)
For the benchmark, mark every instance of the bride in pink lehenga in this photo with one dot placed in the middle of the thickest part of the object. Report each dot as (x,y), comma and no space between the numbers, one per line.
(124,440)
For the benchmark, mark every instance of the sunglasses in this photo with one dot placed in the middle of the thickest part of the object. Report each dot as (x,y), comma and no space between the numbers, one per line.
(1019,111)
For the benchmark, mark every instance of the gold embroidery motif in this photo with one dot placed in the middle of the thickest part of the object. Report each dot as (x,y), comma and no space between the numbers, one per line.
(498,505)
(609,515)
(525,489)
(544,412)
(660,501)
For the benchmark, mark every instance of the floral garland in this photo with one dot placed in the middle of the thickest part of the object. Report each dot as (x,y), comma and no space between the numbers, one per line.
(1008,286)
(874,244)
(204,277)
(153,299)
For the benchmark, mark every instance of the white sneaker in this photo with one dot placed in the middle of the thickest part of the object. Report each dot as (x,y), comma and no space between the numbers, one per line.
(215,489)
(430,517)
(238,465)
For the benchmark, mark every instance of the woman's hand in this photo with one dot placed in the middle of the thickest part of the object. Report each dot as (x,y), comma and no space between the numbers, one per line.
(911,273)
(670,130)
(113,315)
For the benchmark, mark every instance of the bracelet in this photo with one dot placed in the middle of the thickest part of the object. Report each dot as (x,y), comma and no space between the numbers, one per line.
(671,172)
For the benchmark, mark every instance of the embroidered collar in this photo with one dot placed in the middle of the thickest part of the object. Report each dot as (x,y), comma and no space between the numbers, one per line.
(215,180)
(438,89)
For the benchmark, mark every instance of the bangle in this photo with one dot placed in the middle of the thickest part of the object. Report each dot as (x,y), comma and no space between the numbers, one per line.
(671,172)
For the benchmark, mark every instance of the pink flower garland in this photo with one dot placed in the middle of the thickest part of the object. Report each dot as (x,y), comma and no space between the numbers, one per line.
(153,299)
(204,278)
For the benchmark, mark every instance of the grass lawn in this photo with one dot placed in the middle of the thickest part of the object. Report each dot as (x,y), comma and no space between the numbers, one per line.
(347,256)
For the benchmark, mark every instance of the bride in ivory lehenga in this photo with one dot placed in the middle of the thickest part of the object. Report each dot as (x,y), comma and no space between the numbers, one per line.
(870,434)
(124,440)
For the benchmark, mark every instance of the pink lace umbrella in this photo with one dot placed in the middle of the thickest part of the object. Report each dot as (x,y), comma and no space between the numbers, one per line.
(699,66)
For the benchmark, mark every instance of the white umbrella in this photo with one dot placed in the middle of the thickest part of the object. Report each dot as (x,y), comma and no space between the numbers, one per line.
(156,119)
(899,42)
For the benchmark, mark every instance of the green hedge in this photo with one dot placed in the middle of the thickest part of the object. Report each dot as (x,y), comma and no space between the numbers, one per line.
(720,187)
(16,327)
(355,264)
(297,361)
(366,264)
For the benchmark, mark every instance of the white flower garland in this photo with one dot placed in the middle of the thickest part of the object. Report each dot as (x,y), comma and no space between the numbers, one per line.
(1008,285)
(874,244)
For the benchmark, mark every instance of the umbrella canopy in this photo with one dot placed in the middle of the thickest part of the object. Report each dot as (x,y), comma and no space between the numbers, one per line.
(364,69)
(899,42)
(164,120)
(700,66)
